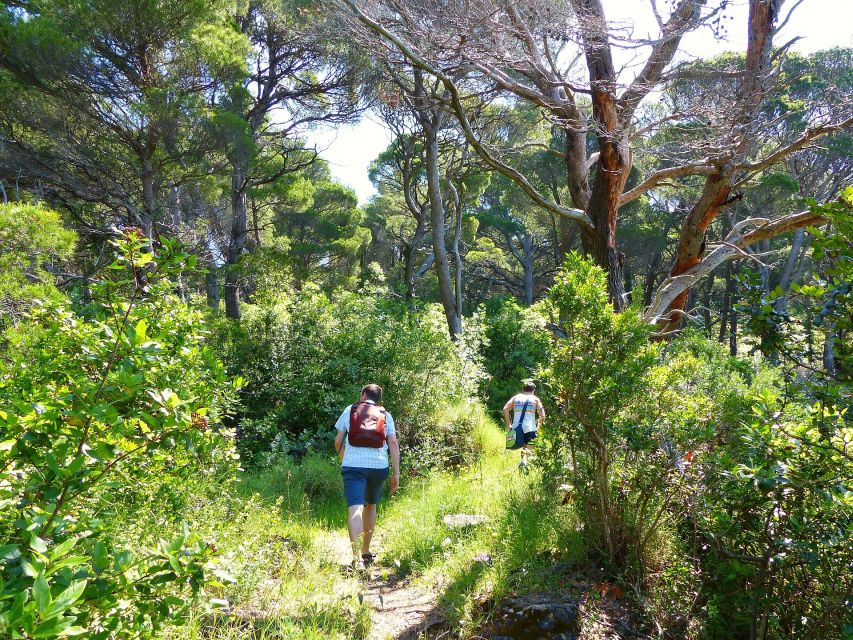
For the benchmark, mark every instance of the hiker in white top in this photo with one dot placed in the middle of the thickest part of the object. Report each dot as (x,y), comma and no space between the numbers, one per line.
(526,406)
(366,442)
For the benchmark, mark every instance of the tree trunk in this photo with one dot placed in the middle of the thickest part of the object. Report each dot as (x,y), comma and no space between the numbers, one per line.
(409,253)
(457,256)
(614,156)
(237,240)
(629,283)
(527,255)
(211,287)
(718,186)
(727,302)
(706,304)
(691,240)
(577,181)
(785,280)
(733,318)
(829,350)
(149,199)
(442,269)
(651,277)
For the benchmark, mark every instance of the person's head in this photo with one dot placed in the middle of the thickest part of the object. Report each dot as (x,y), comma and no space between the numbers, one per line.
(371,392)
(529,387)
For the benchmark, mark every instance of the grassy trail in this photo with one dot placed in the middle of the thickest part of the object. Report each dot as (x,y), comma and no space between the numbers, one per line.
(284,543)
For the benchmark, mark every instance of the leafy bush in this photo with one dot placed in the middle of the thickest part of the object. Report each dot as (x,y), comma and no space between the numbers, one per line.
(776,512)
(31,236)
(94,410)
(516,345)
(304,360)
(598,364)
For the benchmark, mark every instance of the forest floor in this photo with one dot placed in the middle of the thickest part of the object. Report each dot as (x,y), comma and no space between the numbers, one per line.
(285,550)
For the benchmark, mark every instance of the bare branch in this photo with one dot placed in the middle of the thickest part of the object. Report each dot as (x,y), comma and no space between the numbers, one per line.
(482,149)
(734,246)
(703,168)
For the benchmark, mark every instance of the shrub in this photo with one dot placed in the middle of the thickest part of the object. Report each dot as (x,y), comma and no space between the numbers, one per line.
(775,512)
(94,410)
(31,236)
(305,360)
(598,365)
(516,345)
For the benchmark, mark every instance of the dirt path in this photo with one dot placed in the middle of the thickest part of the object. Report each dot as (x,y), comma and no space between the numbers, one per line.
(400,610)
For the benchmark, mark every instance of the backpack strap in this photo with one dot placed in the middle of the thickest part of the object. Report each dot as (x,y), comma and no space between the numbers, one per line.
(523,412)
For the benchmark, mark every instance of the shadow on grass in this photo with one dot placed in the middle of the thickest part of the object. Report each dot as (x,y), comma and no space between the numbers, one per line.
(313,624)
(536,548)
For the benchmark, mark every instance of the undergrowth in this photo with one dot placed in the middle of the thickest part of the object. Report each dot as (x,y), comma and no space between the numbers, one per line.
(281,535)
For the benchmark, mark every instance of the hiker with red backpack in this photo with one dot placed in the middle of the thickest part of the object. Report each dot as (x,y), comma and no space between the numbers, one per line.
(365,441)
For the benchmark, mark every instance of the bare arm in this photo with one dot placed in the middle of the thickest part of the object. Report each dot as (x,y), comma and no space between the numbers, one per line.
(540,410)
(339,444)
(394,451)
(507,409)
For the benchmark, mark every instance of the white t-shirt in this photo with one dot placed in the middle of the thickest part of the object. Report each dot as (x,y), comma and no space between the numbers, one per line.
(365,457)
(518,401)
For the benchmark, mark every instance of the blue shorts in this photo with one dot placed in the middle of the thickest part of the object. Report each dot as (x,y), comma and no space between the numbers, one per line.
(363,486)
(529,436)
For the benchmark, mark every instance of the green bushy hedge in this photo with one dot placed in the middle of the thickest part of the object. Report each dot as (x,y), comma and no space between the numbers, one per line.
(304,360)
(721,485)
(97,410)
(516,345)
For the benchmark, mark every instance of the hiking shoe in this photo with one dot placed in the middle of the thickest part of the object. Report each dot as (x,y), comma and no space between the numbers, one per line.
(356,567)
(523,468)
(367,559)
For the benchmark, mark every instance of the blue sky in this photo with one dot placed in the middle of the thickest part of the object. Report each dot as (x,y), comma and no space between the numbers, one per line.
(820,23)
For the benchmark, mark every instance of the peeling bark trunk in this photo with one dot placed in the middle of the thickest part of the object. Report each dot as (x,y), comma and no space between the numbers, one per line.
(718,185)
(691,240)
(614,160)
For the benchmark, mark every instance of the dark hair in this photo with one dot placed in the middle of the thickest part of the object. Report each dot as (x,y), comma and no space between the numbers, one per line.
(529,387)
(372,392)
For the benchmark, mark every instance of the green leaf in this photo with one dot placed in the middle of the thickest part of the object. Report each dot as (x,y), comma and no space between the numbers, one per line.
(9,551)
(53,628)
(37,544)
(69,561)
(61,549)
(67,598)
(140,332)
(41,593)
(7,445)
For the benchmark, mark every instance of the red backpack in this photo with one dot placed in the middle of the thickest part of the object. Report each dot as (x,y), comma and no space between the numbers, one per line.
(367,425)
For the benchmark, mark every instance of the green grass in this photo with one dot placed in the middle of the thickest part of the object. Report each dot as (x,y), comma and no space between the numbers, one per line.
(277,529)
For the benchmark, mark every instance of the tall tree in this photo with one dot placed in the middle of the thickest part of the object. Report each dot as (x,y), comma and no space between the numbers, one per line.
(301,73)
(522,50)
(105,104)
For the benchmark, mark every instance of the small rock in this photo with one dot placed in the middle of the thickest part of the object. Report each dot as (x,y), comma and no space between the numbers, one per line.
(459,520)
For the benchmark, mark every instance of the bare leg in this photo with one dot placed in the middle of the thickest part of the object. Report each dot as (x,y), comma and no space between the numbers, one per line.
(355,525)
(369,522)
